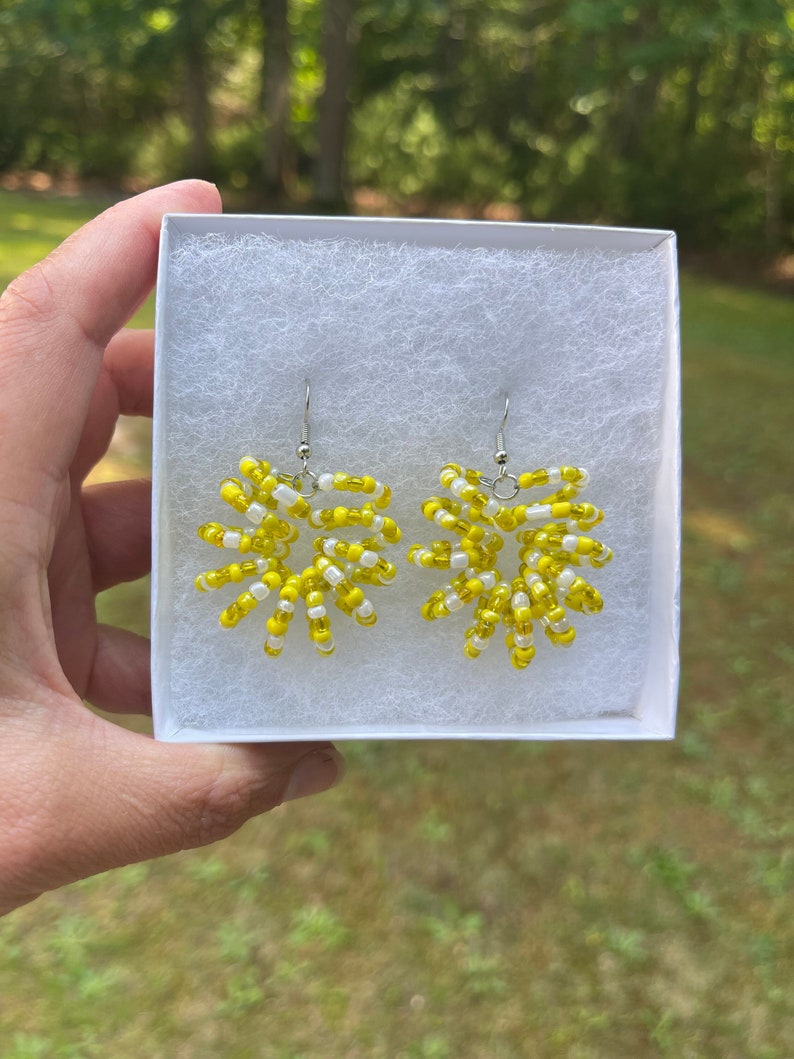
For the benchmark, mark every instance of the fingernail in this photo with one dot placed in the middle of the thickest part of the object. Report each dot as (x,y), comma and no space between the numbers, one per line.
(314,773)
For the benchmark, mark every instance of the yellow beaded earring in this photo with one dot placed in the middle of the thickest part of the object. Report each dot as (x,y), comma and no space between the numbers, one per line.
(269,498)
(550,550)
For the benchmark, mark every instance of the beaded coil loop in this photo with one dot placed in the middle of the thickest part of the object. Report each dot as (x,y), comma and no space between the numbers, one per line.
(551,548)
(272,502)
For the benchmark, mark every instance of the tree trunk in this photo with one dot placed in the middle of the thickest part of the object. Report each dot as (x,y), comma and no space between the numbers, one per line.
(275,95)
(194,30)
(338,52)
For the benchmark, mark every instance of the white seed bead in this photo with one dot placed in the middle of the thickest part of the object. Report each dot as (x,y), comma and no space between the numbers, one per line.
(478,642)
(470,572)
(248,489)
(538,512)
(523,639)
(333,575)
(453,601)
(275,642)
(520,599)
(531,558)
(458,560)
(280,550)
(488,578)
(554,476)
(380,539)
(262,565)
(439,516)
(325,648)
(378,491)
(560,626)
(377,523)
(447,589)
(544,620)
(231,539)
(315,520)
(531,578)
(491,508)
(569,542)
(286,605)
(329,546)
(255,513)
(364,609)
(368,559)
(457,485)
(284,495)
(259,591)
(566,578)
(316,612)
(325,482)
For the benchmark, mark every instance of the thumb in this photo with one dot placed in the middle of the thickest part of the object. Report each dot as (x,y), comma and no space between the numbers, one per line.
(97,796)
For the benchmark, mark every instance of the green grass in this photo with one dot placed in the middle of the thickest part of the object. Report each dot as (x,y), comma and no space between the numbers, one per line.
(492,900)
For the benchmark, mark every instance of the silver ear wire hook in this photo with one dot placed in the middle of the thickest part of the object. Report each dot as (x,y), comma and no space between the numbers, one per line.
(501,458)
(303,452)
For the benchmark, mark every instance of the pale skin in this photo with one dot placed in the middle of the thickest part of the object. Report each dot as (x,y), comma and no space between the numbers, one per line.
(80,794)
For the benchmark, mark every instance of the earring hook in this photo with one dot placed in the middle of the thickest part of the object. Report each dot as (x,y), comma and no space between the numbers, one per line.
(303,452)
(501,458)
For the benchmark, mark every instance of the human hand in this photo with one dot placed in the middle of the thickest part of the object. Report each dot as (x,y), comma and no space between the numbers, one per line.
(79,794)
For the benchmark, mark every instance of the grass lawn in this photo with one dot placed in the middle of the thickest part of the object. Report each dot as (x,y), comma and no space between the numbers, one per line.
(477,900)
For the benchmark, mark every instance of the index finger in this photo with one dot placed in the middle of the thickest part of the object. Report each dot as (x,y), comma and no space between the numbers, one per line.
(56,319)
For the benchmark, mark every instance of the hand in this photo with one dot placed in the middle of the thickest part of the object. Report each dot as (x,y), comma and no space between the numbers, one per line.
(79,794)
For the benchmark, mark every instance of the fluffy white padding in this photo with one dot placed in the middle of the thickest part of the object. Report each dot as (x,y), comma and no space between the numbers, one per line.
(409,350)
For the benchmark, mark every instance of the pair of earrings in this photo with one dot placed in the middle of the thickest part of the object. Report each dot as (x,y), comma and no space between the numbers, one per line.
(551,533)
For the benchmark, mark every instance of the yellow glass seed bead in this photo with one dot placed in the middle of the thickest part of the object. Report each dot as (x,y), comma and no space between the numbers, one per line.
(525,480)
(300,509)
(275,627)
(516,662)
(340,516)
(475,586)
(560,510)
(271,579)
(564,639)
(470,650)
(524,654)
(234,495)
(340,480)
(368,484)
(227,620)
(247,602)
(355,485)
(383,501)
(354,598)
(367,621)
(273,652)
(314,599)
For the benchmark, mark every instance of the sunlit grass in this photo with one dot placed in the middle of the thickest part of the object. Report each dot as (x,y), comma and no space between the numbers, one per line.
(491,901)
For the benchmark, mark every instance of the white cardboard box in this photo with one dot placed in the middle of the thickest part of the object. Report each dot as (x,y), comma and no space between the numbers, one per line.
(410,333)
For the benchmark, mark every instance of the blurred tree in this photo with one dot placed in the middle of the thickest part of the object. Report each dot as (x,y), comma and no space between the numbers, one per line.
(275,94)
(339,37)
(667,113)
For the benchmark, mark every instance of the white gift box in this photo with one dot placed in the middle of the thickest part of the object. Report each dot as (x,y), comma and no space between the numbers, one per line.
(411,333)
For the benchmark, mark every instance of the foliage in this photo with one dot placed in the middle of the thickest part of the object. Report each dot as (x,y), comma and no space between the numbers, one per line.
(667,112)
(486,901)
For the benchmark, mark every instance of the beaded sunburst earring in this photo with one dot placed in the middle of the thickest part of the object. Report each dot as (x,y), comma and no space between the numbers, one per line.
(550,550)
(275,503)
